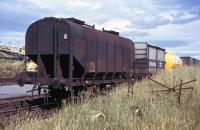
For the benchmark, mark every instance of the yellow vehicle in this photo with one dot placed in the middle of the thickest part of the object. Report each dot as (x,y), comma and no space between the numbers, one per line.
(31,66)
(172,61)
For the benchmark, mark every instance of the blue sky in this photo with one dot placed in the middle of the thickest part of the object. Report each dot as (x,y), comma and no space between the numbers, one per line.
(172,24)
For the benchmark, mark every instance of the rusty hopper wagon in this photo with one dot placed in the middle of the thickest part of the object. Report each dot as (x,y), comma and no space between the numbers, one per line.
(72,55)
(190,61)
(149,59)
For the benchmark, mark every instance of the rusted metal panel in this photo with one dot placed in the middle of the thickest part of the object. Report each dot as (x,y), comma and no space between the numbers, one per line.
(64,49)
(32,40)
(126,63)
(46,37)
(103,47)
(96,49)
(186,60)
(64,38)
(91,51)
(102,51)
(190,61)
(141,71)
(111,54)
(118,57)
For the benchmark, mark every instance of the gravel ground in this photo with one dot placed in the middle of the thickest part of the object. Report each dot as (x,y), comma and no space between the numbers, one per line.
(10,91)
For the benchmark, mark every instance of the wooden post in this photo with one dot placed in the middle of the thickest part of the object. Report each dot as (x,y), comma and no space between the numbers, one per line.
(129,83)
(179,93)
(131,87)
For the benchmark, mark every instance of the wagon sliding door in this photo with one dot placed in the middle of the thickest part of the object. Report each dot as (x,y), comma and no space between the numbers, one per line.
(160,60)
(152,60)
(156,59)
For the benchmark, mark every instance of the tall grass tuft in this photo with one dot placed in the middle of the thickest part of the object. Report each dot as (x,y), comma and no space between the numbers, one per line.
(159,110)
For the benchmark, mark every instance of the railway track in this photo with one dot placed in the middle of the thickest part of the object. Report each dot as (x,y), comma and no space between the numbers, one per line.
(16,109)
(20,108)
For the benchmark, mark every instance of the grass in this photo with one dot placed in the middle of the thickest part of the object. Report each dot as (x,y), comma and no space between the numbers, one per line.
(160,111)
(10,68)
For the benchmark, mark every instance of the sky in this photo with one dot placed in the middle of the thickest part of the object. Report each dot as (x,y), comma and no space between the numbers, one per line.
(170,24)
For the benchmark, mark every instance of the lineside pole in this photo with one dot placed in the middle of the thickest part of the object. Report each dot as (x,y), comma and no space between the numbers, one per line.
(179,93)
(129,85)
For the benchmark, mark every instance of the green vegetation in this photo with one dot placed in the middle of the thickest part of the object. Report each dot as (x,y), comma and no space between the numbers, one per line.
(2,54)
(9,68)
(160,110)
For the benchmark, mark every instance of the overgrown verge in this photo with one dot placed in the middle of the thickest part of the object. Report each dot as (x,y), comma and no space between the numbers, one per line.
(10,68)
(159,110)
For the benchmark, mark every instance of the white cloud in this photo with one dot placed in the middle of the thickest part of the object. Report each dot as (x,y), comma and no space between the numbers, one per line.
(116,24)
(139,11)
(175,31)
(63,5)
(166,16)
(142,20)
(187,15)
(183,32)
(12,38)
